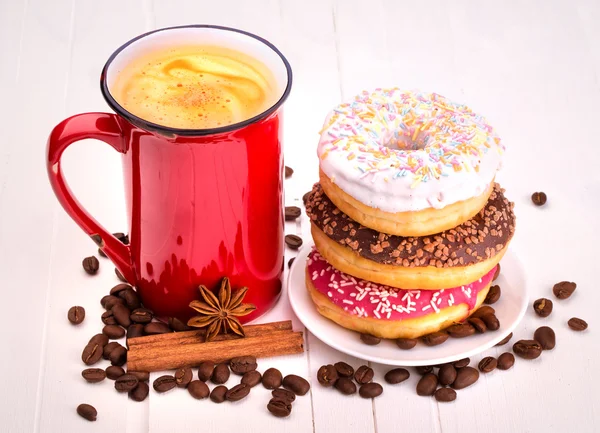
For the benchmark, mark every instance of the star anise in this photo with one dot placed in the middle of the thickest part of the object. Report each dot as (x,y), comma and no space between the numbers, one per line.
(220,314)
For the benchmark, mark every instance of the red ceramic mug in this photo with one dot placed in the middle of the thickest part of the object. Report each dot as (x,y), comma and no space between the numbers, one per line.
(201,204)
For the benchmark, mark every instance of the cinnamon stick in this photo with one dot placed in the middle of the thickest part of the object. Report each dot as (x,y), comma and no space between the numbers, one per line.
(158,356)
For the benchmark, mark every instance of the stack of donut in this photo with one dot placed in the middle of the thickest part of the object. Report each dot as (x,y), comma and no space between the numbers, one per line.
(408,222)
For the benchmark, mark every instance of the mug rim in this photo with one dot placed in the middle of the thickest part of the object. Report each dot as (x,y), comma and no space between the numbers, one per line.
(167,130)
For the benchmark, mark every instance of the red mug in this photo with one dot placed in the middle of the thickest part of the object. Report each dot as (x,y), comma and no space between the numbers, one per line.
(201,204)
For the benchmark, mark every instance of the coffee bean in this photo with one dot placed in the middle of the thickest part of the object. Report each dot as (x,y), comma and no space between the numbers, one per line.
(290,261)
(131,298)
(486,309)
(164,383)
(135,330)
(251,378)
(396,375)
(327,375)
(577,324)
(406,343)
(564,289)
(205,370)
(487,364)
(118,356)
(177,325)
(155,328)
(460,330)
(126,383)
(293,241)
(305,197)
(546,337)
(288,172)
(279,408)
(445,395)
(478,324)
(542,307)
(114,332)
(198,389)
(527,349)
(93,375)
(87,411)
(435,338)
(110,301)
(100,339)
(345,386)
(424,369)
(504,340)
(238,392)
(447,374)
(298,385)
(113,372)
(120,276)
(497,273)
(122,237)
(343,369)
(427,384)
(140,392)
(370,340)
(491,321)
(143,376)
(91,265)
(539,198)
(506,361)
(183,376)
(119,288)
(217,395)
(101,253)
(461,363)
(108,318)
(465,377)
(243,364)
(141,315)
(109,348)
(272,378)
(292,212)
(92,353)
(220,374)
(121,314)
(364,374)
(76,315)
(493,295)
(370,390)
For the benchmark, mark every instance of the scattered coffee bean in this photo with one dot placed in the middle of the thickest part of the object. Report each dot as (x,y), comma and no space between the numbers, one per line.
(493,295)
(135,330)
(292,212)
(293,241)
(288,171)
(183,376)
(91,265)
(497,273)
(370,390)
(141,315)
(140,392)
(108,318)
(370,340)
(251,378)
(298,385)
(396,375)
(406,343)
(101,253)
(279,408)
(164,383)
(290,261)
(93,350)
(120,276)
(109,348)
(445,395)
(577,324)
(305,197)
(198,389)
(118,356)
(343,369)
(220,374)
(486,309)
(205,370)
(460,330)
(155,328)
(114,332)
(87,411)
(122,237)
(119,288)
(121,314)
(345,385)
(364,374)
(488,364)
(283,394)
(527,349)
(447,374)
(327,375)
(546,337)
(272,378)
(217,395)
(93,375)
(505,340)
(465,377)
(126,383)
(461,363)
(143,376)
(131,298)
(491,321)
(435,338)
(110,301)
(238,392)
(424,369)
(243,364)
(539,198)
(76,315)
(506,361)
(177,325)
(478,324)
(542,307)
(113,372)
(427,384)
(564,289)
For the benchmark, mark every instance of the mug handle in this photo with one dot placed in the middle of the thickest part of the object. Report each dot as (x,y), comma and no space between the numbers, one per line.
(99,126)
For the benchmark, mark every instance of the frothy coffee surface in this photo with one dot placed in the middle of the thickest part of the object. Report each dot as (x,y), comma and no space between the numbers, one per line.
(195,87)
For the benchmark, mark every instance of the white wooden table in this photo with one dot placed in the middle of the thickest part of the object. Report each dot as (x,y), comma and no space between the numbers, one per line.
(532,67)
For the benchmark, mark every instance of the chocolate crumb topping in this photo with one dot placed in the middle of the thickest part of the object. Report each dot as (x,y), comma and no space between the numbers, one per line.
(476,240)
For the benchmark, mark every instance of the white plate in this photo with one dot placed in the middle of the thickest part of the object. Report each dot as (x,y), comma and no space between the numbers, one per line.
(509,309)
